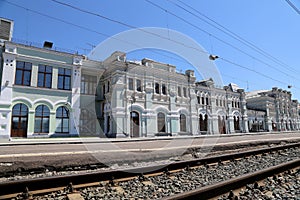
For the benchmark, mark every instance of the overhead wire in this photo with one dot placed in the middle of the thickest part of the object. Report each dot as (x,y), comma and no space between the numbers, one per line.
(293,6)
(90,30)
(125,24)
(230,33)
(165,10)
(221,40)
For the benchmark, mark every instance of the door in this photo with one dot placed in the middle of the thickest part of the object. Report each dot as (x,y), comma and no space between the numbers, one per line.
(221,123)
(161,122)
(134,124)
(19,120)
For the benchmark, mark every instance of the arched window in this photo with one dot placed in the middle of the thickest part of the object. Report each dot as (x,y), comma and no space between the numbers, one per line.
(182,123)
(19,120)
(41,121)
(62,120)
(161,122)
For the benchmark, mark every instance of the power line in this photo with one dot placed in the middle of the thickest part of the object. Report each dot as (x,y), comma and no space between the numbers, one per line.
(293,6)
(88,29)
(221,40)
(131,26)
(128,25)
(230,33)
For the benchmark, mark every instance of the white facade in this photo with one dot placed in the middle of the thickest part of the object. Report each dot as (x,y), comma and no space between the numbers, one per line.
(147,98)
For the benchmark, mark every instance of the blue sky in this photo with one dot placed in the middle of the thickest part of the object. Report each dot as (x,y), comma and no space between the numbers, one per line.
(270,25)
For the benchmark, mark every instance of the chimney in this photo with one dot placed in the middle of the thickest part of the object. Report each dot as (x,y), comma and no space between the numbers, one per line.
(48,45)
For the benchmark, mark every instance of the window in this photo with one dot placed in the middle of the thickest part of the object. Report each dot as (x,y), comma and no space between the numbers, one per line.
(202,100)
(207,102)
(88,84)
(45,76)
(157,88)
(163,89)
(130,84)
(138,85)
(41,122)
(62,120)
(184,92)
(179,91)
(23,73)
(64,79)
(182,123)
(198,99)
(217,102)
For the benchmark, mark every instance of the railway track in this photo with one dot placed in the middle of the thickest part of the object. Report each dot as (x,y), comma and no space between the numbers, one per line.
(218,189)
(184,178)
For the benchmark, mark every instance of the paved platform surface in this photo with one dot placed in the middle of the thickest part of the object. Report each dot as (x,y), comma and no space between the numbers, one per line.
(78,140)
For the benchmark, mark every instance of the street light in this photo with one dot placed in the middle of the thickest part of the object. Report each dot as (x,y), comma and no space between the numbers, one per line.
(213,57)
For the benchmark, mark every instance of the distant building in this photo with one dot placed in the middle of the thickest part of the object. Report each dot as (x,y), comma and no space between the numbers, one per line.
(272,110)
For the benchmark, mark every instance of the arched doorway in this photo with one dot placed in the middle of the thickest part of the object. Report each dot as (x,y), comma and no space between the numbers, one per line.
(182,123)
(161,122)
(134,124)
(19,120)
(221,123)
(203,122)
(274,126)
(236,120)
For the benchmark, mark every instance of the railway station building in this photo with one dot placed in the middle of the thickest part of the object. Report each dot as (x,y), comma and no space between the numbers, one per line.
(50,92)
(148,98)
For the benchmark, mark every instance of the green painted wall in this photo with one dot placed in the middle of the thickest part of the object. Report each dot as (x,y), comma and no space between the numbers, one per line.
(33,93)
(46,55)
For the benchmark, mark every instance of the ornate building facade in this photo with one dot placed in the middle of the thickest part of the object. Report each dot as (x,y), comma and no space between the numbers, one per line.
(272,110)
(50,93)
(44,92)
(148,98)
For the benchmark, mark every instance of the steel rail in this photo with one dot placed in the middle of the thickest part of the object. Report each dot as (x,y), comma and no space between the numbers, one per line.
(224,187)
(15,187)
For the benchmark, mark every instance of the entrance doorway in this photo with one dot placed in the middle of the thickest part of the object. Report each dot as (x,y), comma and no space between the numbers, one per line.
(19,120)
(161,122)
(134,124)
(221,123)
